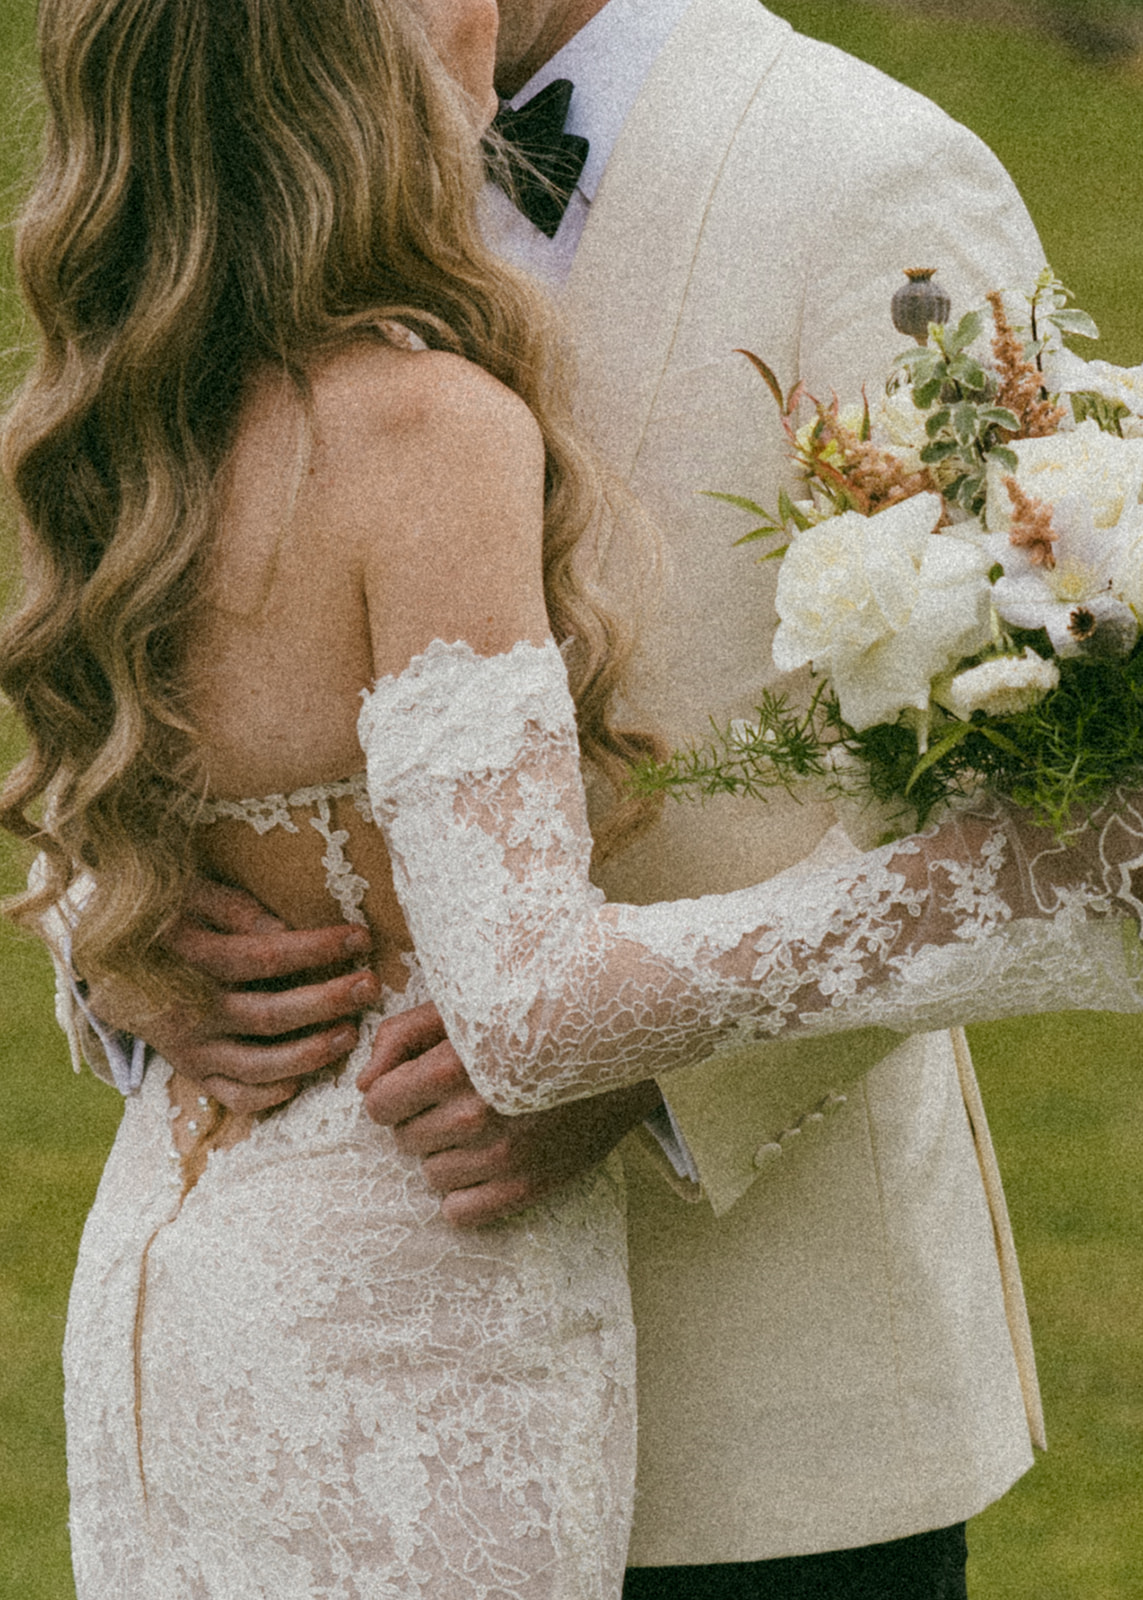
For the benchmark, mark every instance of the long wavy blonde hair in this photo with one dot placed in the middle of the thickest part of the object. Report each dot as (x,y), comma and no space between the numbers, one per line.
(227,183)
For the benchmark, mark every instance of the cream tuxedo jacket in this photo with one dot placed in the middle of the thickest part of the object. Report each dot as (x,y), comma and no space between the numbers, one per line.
(833,1348)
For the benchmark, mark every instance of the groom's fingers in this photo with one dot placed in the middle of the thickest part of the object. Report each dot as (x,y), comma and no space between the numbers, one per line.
(228,910)
(256,957)
(266,1013)
(242,1097)
(254,1064)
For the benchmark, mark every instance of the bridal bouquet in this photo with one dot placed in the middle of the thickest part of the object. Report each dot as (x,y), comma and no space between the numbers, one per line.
(963,574)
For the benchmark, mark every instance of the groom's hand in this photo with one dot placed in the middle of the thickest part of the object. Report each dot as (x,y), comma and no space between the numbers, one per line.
(486,1165)
(253,1045)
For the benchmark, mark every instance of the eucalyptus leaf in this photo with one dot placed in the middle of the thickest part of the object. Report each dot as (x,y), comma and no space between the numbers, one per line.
(1074,321)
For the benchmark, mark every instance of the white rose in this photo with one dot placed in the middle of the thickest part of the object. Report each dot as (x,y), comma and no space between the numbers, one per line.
(897,425)
(1001,687)
(1104,472)
(882,605)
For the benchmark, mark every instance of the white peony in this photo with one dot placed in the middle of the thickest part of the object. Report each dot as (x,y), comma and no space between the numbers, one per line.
(882,605)
(1104,472)
(1001,687)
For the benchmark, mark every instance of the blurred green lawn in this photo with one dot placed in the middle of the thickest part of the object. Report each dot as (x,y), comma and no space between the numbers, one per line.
(1065,1096)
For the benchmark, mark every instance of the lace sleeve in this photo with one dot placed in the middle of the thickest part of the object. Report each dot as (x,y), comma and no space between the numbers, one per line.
(550,993)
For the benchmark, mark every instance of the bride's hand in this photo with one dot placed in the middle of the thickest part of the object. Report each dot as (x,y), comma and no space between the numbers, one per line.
(484,1164)
(252,1046)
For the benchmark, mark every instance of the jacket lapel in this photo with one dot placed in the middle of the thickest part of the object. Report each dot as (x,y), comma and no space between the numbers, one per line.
(633,264)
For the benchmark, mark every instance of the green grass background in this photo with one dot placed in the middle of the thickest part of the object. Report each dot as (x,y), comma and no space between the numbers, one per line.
(1065,1096)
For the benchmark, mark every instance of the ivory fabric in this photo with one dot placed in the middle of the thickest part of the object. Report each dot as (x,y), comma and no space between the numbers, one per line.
(825,1350)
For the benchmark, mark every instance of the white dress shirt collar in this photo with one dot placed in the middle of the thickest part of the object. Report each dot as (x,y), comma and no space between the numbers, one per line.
(607,61)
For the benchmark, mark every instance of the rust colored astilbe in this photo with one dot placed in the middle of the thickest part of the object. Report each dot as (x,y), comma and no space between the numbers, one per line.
(1031,528)
(872,478)
(1021,383)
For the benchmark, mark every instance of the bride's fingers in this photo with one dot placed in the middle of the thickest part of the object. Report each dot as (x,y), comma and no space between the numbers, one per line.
(411,1087)
(483,1203)
(453,1170)
(401,1038)
(464,1121)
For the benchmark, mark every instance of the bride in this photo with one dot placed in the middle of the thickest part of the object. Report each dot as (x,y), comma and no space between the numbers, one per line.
(294,433)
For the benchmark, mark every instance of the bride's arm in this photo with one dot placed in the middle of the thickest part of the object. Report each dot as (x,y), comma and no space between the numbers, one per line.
(549,993)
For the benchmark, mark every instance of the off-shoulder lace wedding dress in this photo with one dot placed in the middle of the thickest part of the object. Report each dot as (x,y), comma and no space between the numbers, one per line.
(296,1382)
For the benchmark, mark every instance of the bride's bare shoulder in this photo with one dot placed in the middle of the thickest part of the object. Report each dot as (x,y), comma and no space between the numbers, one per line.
(397,409)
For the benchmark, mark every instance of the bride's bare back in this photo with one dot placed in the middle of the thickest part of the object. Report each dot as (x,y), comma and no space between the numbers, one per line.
(403,504)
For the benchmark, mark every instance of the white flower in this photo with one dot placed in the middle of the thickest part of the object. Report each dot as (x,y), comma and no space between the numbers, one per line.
(1127,577)
(1106,473)
(1002,686)
(897,425)
(1075,597)
(882,605)
(1067,373)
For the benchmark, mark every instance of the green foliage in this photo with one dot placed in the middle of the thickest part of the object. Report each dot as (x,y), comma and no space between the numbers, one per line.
(1097,408)
(779,749)
(1058,760)
(969,427)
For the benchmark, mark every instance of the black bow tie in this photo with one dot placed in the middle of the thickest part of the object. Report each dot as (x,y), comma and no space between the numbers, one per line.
(544,162)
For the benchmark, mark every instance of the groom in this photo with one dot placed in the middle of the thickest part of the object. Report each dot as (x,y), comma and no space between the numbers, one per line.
(834,1364)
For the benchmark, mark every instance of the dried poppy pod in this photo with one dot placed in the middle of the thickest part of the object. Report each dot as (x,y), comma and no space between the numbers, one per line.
(919,302)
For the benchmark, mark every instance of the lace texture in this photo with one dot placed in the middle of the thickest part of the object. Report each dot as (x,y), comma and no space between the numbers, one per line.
(299,1383)
(549,993)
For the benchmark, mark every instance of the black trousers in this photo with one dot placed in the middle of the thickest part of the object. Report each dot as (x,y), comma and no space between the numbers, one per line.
(927,1566)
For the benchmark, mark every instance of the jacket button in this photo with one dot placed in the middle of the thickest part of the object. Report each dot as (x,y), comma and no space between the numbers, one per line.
(766,1153)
